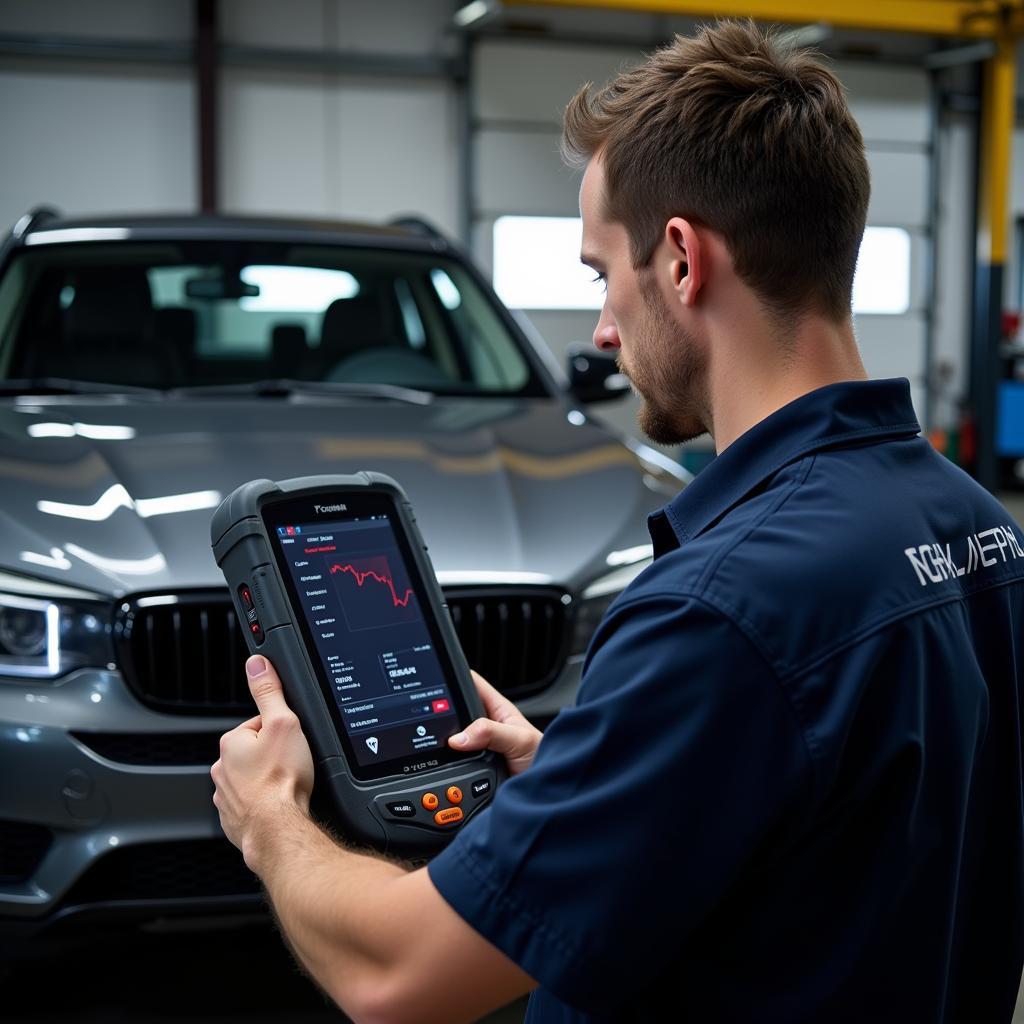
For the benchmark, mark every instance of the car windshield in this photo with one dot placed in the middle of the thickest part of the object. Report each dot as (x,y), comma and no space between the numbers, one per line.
(208,314)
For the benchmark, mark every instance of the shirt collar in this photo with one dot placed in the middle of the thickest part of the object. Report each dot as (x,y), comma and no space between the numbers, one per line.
(835,415)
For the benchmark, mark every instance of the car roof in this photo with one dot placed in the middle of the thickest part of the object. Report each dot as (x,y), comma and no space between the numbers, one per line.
(405,233)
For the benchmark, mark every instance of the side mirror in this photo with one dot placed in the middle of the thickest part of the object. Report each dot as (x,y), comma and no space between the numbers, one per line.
(594,377)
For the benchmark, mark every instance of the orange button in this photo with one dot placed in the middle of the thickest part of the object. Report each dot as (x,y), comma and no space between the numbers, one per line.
(448,816)
(454,795)
(430,801)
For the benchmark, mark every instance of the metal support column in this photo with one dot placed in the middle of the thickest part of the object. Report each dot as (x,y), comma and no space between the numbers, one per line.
(995,149)
(206,96)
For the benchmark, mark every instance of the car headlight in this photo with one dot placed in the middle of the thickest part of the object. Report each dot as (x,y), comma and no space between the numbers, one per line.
(598,595)
(46,631)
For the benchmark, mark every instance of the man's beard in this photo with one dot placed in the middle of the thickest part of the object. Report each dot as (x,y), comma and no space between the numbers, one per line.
(668,373)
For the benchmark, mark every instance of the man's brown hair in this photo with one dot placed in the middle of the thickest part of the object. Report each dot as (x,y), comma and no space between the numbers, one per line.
(754,140)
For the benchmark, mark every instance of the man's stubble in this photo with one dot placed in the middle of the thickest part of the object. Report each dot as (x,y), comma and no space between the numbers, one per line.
(668,371)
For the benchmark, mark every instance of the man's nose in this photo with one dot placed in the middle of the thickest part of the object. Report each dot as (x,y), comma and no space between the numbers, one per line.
(606,334)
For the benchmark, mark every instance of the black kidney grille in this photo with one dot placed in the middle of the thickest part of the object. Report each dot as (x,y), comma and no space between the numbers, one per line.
(514,639)
(160,749)
(187,657)
(156,871)
(22,848)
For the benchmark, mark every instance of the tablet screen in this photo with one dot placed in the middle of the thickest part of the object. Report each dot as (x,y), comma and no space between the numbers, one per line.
(372,635)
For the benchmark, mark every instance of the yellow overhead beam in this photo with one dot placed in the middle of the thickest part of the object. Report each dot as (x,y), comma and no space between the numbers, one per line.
(966,18)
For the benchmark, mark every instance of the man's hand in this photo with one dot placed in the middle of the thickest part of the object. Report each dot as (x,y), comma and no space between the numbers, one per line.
(265,771)
(504,730)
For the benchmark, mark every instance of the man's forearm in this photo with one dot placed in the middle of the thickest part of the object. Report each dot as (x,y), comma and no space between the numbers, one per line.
(329,901)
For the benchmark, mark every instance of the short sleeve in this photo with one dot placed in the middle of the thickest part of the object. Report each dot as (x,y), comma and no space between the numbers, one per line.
(645,803)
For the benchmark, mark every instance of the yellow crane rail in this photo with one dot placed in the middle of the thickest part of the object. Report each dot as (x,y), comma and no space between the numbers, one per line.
(975,19)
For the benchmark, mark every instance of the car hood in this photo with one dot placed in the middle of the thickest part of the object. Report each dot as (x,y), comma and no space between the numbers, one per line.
(115,496)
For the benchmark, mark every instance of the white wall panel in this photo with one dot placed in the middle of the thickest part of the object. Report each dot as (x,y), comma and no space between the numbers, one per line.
(100,19)
(296,23)
(273,129)
(522,81)
(522,172)
(339,146)
(889,103)
(899,188)
(114,142)
(384,26)
(892,346)
(397,151)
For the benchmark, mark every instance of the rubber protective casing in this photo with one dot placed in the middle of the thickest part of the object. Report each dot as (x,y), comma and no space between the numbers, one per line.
(355,808)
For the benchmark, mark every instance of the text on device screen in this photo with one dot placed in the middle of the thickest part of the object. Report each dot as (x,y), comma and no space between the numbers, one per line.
(371,637)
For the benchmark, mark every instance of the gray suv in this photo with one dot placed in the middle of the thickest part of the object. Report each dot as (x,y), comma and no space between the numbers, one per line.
(149,366)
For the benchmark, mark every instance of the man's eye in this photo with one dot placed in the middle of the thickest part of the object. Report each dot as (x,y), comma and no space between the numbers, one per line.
(601,280)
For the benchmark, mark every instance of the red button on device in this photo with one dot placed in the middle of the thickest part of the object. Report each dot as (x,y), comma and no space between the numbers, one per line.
(439,706)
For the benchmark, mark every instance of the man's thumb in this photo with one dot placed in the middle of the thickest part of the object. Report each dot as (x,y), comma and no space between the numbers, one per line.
(485,734)
(265,686)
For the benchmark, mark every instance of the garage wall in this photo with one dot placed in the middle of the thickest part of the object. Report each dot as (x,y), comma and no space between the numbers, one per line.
(520,89)
(95,142)
(93,137)
(106,136)
(342,145)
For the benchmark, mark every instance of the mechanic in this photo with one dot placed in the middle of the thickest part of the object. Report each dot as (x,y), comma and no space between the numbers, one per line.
(790,789)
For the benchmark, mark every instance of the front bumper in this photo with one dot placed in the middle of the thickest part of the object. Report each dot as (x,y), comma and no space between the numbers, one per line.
(95,808)
(125,836)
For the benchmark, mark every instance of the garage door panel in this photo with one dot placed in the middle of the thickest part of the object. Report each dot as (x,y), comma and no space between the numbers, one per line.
(892,346)
(890,104)
(527,82)
(522,172)
(274,149)
(89,143)
(397,151)
(312,144)
(899,188)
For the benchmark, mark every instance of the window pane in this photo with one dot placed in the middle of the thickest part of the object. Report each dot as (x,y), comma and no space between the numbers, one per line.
(536,266)
(882,281)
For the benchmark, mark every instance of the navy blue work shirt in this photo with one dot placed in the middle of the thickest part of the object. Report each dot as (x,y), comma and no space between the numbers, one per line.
(790,789)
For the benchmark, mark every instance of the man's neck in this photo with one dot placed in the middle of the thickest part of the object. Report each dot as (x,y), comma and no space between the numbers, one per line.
(754,373)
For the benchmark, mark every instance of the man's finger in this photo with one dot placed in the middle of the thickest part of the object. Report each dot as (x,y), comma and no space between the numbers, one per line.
(493,701)
(265,687)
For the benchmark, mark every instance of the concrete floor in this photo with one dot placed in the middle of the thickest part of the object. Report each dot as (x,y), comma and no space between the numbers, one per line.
(240,975)
(233,975)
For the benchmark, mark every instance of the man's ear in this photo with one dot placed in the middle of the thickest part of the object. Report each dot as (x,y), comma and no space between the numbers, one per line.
(687,259)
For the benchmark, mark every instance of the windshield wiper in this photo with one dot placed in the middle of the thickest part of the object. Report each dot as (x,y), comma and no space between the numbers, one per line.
(64,386)
(285,387)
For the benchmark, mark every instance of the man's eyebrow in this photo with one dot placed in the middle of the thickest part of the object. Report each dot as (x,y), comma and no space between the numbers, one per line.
(589,260)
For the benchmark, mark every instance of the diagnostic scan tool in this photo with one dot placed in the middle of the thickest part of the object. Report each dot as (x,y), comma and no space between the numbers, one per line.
(331,582)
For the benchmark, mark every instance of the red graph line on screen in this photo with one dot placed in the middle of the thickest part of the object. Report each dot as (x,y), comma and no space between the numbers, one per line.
(362,577)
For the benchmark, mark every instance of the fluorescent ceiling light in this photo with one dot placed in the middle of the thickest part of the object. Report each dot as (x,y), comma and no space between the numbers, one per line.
(475,12)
